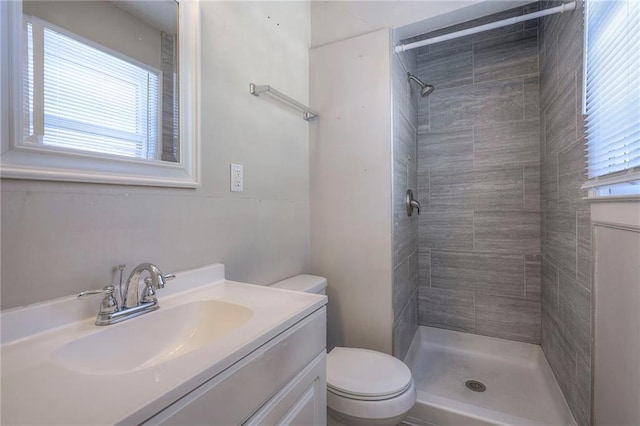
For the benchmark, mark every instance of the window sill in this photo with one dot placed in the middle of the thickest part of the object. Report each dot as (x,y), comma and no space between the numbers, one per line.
(613,198)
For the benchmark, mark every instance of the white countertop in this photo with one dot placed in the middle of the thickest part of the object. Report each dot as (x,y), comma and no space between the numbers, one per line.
(37,390)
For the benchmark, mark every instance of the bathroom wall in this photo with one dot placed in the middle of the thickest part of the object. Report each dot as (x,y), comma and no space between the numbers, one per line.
(61,238)
(405,228)
(332,21)
(350,187)
(566,222)
(478,182)
(616,306)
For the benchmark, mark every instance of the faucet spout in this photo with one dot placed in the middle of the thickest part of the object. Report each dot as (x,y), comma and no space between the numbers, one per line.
(131,291)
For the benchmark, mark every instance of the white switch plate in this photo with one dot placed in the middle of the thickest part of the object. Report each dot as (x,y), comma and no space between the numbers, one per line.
(237,178)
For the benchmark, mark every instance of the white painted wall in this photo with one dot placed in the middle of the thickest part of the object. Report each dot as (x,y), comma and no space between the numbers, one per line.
(616,314)
(338,20)
(61,238)
(351,208)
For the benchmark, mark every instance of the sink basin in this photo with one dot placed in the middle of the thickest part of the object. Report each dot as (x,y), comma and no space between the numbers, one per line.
(152,339)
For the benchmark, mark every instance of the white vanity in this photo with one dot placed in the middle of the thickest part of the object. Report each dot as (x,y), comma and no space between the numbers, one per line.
(216,352)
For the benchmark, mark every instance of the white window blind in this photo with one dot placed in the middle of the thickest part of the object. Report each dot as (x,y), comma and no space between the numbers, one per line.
(89,99)
(613,96)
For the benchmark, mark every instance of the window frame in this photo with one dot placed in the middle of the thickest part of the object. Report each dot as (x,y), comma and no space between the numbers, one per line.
(19,160)
(612,186)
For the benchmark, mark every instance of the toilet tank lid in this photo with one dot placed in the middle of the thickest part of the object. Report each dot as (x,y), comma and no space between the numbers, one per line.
(306,283)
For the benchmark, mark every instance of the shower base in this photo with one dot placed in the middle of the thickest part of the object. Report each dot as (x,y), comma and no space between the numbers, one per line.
(465,379)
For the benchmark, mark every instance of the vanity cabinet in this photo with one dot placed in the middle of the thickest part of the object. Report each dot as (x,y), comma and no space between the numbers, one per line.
(281,382)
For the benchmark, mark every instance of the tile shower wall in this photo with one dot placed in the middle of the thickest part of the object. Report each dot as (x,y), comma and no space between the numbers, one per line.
(169,111)
(478,181)
(405,229)
(566,221)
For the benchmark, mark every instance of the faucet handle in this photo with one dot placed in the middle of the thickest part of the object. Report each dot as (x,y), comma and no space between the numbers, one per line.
(107,290)
(109,304)
(161,280)
(149,292)
(166,278)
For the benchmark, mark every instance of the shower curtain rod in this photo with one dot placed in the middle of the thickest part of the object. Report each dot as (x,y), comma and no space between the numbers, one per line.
(486,27)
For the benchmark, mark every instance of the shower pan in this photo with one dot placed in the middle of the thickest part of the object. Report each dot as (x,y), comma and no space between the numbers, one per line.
(450,370)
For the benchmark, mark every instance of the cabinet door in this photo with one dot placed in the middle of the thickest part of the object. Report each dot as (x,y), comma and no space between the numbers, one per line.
(302,402)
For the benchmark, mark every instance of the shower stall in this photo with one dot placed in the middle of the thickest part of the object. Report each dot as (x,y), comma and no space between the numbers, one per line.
(478,118)
(485,291)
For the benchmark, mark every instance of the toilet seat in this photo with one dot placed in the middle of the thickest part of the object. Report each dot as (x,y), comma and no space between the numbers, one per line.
(366,398)
(365,375)
(370,412)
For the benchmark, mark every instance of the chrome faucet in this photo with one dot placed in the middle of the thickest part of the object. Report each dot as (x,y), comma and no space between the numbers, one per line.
(131,292)
(132,304)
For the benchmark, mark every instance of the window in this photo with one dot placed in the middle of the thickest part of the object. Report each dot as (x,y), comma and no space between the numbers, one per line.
(612,51)
(89,99)
(27,151)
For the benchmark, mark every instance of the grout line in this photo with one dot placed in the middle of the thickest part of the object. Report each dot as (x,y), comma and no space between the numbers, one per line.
(524,273)
(558,291)
(430,251)
(429,189)
(557,155)
(473,63)
(555,70)
(473,146)
(524,192)
(475,314)
(578,108)
(473,230)
(429,112)
(524,101)
(400,111)
(576,274)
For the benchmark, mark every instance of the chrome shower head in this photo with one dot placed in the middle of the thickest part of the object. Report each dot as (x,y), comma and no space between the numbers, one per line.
(425,89)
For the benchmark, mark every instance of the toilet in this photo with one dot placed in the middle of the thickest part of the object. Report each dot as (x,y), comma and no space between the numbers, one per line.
(363,386)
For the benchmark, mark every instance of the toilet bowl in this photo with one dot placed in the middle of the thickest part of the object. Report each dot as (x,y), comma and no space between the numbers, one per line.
(363,386)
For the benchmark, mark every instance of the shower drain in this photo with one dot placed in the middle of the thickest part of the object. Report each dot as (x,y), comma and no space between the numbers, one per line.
(475,385)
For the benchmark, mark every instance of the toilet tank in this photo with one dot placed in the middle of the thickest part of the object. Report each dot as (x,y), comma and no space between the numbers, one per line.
(305,283)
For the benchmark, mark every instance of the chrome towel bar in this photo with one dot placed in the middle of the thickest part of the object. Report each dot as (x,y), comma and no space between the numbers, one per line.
(265,89)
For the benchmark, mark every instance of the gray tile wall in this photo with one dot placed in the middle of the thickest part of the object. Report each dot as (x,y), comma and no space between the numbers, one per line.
(405,229)
(566,222)
(169,116)
(479,182)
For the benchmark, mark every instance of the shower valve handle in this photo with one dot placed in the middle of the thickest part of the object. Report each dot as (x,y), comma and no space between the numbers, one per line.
(411,203)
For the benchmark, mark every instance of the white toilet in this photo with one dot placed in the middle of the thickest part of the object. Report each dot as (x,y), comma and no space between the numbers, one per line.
(363,386)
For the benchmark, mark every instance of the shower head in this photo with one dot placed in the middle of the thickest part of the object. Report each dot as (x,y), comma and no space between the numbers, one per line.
(425,89)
